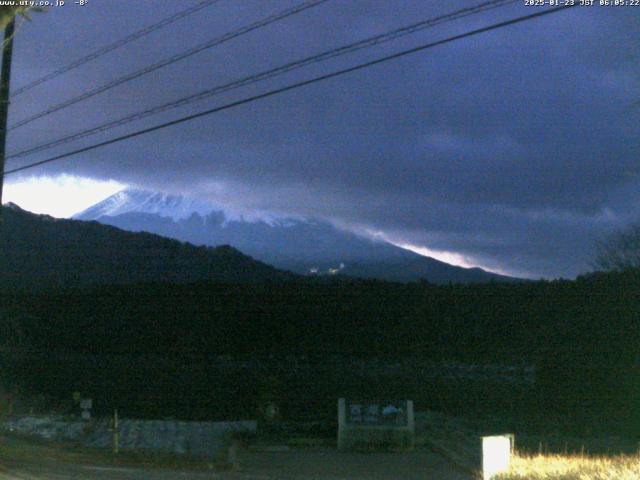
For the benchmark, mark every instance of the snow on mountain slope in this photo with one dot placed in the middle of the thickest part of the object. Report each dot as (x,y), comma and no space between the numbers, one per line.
(125,201)
(301,245)
(176,207)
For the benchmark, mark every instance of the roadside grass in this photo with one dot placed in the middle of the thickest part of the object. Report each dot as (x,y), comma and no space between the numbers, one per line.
(553,454)
(561,467)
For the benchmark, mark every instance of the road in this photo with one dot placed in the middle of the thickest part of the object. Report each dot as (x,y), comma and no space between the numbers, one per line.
(294,464)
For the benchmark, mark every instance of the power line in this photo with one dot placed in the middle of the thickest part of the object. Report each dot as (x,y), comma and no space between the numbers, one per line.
(115,45)
(173,59)
(294,86)
(288,67)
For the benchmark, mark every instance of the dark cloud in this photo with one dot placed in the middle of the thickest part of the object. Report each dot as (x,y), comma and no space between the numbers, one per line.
(517,148)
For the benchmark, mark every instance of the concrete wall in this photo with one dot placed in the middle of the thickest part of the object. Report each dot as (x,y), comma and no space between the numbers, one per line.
(201,439)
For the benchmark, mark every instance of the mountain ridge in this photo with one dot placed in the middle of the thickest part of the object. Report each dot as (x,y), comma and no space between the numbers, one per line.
(302,245)
(40,252)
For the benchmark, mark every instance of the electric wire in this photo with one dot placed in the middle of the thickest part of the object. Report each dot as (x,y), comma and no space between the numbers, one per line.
(288,67)
(170,60)
(294,86)
(115,45)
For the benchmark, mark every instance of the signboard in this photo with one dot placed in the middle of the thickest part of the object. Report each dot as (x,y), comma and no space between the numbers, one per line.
(363,425)
(390,413)
(86,404)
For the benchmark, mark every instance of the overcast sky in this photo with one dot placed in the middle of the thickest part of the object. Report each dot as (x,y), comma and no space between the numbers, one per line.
(515,149)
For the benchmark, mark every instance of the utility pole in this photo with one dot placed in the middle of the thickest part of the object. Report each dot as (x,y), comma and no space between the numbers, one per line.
(5,78)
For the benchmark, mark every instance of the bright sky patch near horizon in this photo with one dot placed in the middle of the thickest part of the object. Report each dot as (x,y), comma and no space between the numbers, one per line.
(60,196)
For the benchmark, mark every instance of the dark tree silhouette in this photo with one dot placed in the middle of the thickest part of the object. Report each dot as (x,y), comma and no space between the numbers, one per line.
(7,13)
(620,251)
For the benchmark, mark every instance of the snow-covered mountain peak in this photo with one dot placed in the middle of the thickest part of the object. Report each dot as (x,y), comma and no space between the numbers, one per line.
(176,207)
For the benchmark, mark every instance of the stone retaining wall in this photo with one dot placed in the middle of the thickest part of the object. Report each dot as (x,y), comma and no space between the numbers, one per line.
(201,439)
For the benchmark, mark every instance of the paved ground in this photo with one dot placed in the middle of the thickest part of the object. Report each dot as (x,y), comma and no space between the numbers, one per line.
(295,464)
(328,464)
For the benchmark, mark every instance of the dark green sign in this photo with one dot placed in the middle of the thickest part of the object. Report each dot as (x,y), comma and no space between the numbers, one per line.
(390,413)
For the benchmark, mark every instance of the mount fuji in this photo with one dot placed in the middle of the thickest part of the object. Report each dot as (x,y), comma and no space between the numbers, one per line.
(301,245)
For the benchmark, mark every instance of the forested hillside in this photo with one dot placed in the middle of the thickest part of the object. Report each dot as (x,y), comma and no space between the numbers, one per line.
(39,252)
(157,341)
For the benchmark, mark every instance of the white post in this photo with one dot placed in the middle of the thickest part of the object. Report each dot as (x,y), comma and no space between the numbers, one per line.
(496,455)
